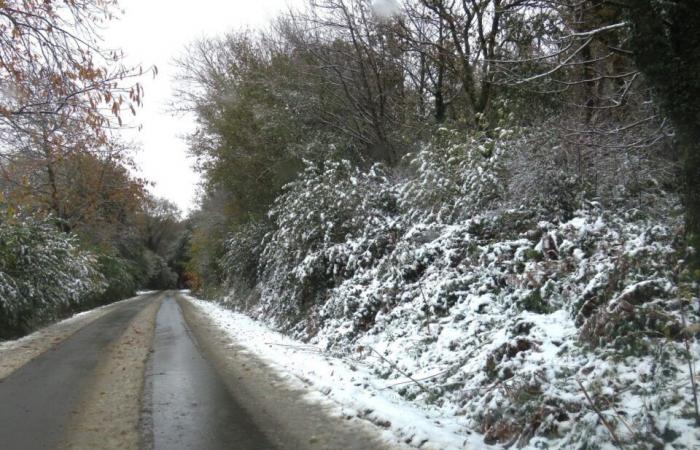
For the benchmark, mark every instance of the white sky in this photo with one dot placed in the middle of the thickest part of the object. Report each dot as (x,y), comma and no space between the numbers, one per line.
(154,32)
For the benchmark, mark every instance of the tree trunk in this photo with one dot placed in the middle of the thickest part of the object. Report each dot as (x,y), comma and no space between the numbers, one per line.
(666,44)
(689,145)
(55,203)
(440,106)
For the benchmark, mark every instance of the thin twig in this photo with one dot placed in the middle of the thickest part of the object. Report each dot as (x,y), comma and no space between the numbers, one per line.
(418,379)
(427,306)
(622,420)
(607,424)
(297,347)
(418,383)
(691,370)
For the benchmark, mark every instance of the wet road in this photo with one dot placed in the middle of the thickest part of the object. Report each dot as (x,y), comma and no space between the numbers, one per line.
(140,377)
(38,400)
(191,406)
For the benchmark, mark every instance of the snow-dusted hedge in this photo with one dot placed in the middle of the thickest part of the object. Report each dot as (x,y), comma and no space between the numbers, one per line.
(509,321)
(455,176)
(313,221)
(523,321)
(43,273)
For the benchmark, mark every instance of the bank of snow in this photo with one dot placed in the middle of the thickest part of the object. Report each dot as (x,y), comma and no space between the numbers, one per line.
(534,334)
(537,319)
(348,383)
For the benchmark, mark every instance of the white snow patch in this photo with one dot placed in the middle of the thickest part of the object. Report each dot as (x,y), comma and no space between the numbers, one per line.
(347,383)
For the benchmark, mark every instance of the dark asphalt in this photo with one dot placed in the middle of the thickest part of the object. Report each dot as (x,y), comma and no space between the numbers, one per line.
(38,400)
(191,407)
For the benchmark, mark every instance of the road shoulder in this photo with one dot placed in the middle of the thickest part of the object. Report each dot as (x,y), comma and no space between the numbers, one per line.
(16,354)
(282,411)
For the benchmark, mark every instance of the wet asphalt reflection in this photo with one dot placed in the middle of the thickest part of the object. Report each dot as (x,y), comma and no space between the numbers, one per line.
(187,405)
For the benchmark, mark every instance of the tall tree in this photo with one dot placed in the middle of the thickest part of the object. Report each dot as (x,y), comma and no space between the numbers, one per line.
(614,53)
(52,63)
(354,52)
(666,44)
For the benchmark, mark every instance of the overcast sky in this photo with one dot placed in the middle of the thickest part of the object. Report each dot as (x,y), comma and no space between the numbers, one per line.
(154,32)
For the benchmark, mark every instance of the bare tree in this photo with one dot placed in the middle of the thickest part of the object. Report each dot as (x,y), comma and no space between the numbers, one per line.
(354,56)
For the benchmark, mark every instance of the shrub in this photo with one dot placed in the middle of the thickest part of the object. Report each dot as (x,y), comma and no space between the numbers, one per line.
(455,177)
(43,274)
(242,259)
(120,276)
(328,206)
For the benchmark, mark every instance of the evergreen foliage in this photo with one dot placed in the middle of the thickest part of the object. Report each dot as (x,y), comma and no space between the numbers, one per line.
(43,274)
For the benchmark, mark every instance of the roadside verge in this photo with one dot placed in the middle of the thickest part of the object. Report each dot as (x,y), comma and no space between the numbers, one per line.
(280,406)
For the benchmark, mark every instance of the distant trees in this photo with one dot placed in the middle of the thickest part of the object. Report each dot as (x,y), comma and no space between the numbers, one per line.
(246,125)
(162,230)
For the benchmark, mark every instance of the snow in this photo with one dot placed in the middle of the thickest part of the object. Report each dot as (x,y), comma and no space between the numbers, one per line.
(146,292)
(348,383)
(498,313)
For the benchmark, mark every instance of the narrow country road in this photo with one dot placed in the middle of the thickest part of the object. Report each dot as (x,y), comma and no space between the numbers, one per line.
(154,373)
(192,408)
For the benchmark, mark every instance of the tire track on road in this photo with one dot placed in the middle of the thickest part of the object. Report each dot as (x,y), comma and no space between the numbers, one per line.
(39,400)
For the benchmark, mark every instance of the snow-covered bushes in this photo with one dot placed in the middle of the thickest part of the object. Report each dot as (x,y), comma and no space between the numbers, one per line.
(506,322)
(455,176)
(43,274)
(314,223)
(502,311)
(552,169)
(242,258)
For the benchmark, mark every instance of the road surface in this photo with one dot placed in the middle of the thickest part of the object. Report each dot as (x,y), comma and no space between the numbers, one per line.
(192,409)
(154,373)
(38,400)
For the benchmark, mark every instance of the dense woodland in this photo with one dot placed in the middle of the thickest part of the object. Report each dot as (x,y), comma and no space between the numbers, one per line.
(591,100)
(376,169)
